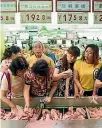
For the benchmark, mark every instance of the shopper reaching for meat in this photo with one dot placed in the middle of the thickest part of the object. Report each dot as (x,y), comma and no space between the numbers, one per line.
(38,81)
(12,81)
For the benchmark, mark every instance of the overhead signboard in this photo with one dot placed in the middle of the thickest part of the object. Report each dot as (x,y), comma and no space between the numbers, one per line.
(98,18)
(8,5)
(97,6)
(35,17)
(7,18)
(73,5)
(35,5)
(97,9)
(72,18)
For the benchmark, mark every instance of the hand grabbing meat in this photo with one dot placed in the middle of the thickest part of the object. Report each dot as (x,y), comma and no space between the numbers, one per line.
(14,110)
(21,114)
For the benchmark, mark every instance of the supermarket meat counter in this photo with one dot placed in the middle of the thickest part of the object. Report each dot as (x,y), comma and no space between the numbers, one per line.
(66,113)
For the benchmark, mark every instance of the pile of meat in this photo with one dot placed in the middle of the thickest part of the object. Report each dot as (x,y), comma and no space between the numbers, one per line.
(95,113)
(79,114)
(51,115)
(31,114)
(54,114)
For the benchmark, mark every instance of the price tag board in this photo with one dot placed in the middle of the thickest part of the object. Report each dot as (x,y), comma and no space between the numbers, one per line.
(8,5)
(35,17)
(97,6)
(7,18)
(72,18)
(73,5)
(35,5)
(98,18)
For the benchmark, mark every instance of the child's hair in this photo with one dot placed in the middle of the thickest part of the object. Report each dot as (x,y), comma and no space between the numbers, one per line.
(7,54)
(40,67)
(9,51)
(15,49)
(19,63)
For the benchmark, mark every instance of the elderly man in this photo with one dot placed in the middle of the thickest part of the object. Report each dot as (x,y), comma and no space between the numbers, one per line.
(38,54)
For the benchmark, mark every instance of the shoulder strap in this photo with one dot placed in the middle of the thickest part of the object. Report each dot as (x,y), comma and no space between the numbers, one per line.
(6,72)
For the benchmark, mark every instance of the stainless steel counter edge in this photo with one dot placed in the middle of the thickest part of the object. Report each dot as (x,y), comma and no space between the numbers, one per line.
(57,102)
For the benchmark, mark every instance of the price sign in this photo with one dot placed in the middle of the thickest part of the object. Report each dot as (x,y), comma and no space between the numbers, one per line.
(7,18)
(8,5)
(72,18)
(73,5)
(35,17)
(98,18)
(34,5)
(97,5)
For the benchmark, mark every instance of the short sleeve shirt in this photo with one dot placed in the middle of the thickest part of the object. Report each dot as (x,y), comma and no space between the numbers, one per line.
(39,85)
(87,74)
(32,60)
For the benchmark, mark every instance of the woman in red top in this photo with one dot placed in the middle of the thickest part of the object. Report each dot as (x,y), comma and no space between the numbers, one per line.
(37,81)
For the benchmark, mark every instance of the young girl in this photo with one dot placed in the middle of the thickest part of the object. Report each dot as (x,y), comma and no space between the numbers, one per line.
(9,55)
(12,81)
